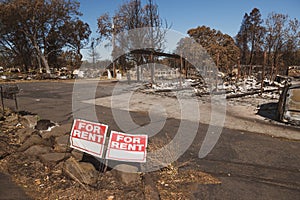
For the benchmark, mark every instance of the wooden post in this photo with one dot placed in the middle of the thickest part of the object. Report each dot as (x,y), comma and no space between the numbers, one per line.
(128,77)
(138,73)
(218,57)
(181,65)
(16,102)
(185,68)
(272,72)
(239,69)
(152,68)
(263,74)
(2,100)
(216,81)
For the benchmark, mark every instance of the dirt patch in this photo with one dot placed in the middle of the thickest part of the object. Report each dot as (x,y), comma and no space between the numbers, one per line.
(177,184)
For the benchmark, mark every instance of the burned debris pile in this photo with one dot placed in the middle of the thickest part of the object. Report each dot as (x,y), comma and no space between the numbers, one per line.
(232,89)
(248,88)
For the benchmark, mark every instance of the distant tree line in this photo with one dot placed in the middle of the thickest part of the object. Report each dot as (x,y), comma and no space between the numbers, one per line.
(42,34)
(278,37)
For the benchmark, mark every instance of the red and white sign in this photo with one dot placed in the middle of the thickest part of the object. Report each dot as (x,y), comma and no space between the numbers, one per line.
(126,147)
(88,137)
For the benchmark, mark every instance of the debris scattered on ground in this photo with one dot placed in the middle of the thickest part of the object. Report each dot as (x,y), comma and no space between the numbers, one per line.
(40,161)
(242,87)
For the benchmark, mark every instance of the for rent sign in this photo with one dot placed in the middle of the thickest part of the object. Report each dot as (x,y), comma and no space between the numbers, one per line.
(88,137)
(126,147)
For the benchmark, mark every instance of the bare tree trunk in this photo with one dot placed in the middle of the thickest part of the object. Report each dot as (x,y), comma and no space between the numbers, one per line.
(239,70)
(39,63)
(45,62)
(269,57)
(276,64)
(251,54)
(41,56)
(263,74)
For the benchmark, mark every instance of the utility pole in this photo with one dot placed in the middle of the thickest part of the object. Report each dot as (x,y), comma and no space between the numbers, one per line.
(93,51)
(113,47)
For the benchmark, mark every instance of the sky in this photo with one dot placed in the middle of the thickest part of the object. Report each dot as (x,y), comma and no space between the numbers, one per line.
(182,15)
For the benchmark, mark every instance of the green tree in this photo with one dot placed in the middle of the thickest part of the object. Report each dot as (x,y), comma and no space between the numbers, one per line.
(43,27)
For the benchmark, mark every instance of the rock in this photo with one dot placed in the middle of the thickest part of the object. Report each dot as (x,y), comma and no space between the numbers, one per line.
(77,155)
(58,131)
(3,154)
(37,150)
(126,173)
(58,169)
(61,144)
(7,111)
(29,121)
(25,133)
(12,120)
(150,190)
(1,115)
(44,124)
(82,172)
(33,140)
(110,197)
(55,158)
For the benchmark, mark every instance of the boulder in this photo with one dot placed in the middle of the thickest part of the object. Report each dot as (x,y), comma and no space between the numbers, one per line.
(58,131)
(29,121)
(3,154)
(61,144)
(54,158)
(150,189)
(77,155)
(1,115)
(83,172)
(37,150)
(12,119)
(127,174)
(44,124)
(24,134)
(33,140)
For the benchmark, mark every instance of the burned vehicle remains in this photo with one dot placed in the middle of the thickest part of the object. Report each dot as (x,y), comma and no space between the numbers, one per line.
(289,104)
